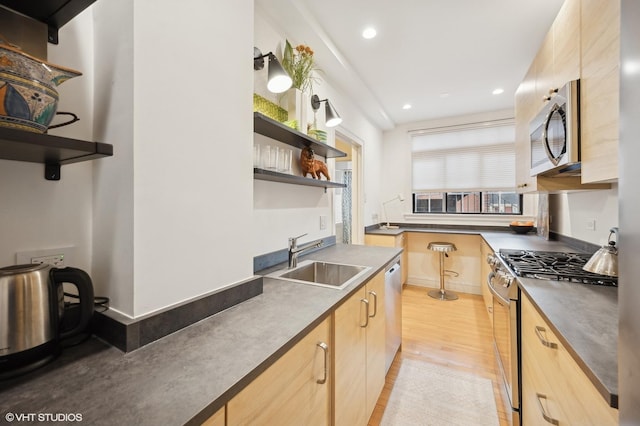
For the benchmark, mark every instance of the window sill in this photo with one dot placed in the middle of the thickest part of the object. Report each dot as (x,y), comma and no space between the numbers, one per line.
(466,219)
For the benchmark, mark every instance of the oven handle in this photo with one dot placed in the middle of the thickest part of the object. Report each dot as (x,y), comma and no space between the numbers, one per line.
(501,300)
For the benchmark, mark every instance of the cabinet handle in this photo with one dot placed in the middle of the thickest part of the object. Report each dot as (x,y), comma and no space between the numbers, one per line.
(545,416)
(366,302)
(490,309)
(375,303)
(522,185)
(325,349)
(543,340)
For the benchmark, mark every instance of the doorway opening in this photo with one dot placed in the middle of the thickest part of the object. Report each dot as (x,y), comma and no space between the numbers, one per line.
(347,203)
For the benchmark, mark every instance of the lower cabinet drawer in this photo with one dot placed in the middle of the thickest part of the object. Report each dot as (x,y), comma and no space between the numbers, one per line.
(548,369)
(539,403)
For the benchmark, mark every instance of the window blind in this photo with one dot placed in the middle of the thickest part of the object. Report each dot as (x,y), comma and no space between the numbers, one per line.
(470,159)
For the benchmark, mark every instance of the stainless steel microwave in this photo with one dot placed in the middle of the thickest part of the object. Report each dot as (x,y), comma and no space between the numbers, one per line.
(555,133)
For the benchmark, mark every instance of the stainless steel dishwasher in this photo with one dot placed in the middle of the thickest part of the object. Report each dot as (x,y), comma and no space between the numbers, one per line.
(393,309)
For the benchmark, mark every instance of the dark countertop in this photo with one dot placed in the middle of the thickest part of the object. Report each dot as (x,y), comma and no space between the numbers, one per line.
(584,317)
(196,370)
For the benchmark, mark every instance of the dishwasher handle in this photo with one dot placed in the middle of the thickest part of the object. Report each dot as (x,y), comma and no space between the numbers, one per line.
(395,266)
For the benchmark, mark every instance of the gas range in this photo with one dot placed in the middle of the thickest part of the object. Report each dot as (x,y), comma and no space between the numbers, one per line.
(550,265)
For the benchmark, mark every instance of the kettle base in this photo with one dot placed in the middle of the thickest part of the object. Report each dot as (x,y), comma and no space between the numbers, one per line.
(20,363)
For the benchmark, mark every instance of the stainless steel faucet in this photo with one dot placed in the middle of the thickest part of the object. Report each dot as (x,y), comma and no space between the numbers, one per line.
(294,250)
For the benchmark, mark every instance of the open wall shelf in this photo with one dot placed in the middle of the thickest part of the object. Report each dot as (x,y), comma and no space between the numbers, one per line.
(52,151)
(54,13)
(262,174)
(278,131)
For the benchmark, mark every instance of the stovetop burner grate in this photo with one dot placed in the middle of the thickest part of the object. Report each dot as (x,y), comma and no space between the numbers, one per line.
(550,265)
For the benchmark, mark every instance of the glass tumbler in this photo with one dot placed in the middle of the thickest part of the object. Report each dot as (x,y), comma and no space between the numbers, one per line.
(271,157)
(284,160)
(257,160)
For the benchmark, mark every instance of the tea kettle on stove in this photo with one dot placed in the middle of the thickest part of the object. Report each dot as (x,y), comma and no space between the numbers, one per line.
(32,308)
(605,260)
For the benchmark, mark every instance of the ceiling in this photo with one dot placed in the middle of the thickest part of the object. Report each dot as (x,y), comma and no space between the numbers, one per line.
(444,57)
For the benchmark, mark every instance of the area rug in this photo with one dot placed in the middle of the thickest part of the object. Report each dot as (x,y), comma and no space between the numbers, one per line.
(430,395)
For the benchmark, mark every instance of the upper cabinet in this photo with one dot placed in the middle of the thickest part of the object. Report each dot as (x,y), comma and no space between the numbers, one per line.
(566,44)
(582,43)
(526,104)
(600,89)
(558,59)
(54,13)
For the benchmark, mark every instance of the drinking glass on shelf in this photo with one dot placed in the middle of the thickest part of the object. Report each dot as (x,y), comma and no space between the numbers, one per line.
(270,157)
(284,160)
(257,160)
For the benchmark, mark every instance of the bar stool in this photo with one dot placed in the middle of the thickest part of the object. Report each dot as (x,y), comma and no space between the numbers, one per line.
(443,248)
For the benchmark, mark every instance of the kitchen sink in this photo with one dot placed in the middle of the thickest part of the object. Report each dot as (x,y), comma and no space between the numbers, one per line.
(325,274)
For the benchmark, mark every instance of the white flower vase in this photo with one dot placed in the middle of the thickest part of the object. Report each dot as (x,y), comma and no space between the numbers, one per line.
(297,103)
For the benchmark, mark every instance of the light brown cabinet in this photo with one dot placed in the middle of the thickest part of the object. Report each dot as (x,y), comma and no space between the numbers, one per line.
(554,388)
(218,419)
(558,59)
(526,104)
(295,390)
(359,355)
(556,63)
(582,43)
(566,44)
(399,241)
(600,89)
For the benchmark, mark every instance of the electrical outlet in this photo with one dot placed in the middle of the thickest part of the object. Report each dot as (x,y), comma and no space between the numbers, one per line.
(323,222)
(56,260)
(58,257)
(591,224)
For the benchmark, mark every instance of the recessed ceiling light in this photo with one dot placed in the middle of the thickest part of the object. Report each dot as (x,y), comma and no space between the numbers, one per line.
(498,91)
(369,33)
(444,95)
(406,106)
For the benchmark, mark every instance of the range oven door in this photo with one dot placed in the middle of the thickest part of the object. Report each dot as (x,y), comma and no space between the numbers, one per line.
(505,337)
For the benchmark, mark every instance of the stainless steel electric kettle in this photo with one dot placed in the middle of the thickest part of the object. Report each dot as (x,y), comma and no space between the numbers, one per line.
(31,312)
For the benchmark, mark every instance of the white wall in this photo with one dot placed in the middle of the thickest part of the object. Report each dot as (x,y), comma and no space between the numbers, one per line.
(281,210)
(39,214)
(113,226)
(173,95)
(571,213)
(397,175)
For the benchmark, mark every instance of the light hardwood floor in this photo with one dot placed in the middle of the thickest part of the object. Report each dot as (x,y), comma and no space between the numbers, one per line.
(455,334)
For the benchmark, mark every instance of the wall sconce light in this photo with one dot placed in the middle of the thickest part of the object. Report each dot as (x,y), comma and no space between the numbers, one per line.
(605,260)
(331,116)
(399,197)
(277,78)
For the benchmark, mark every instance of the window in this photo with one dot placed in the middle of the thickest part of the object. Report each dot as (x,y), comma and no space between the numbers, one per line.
(468,202)
(465,169)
